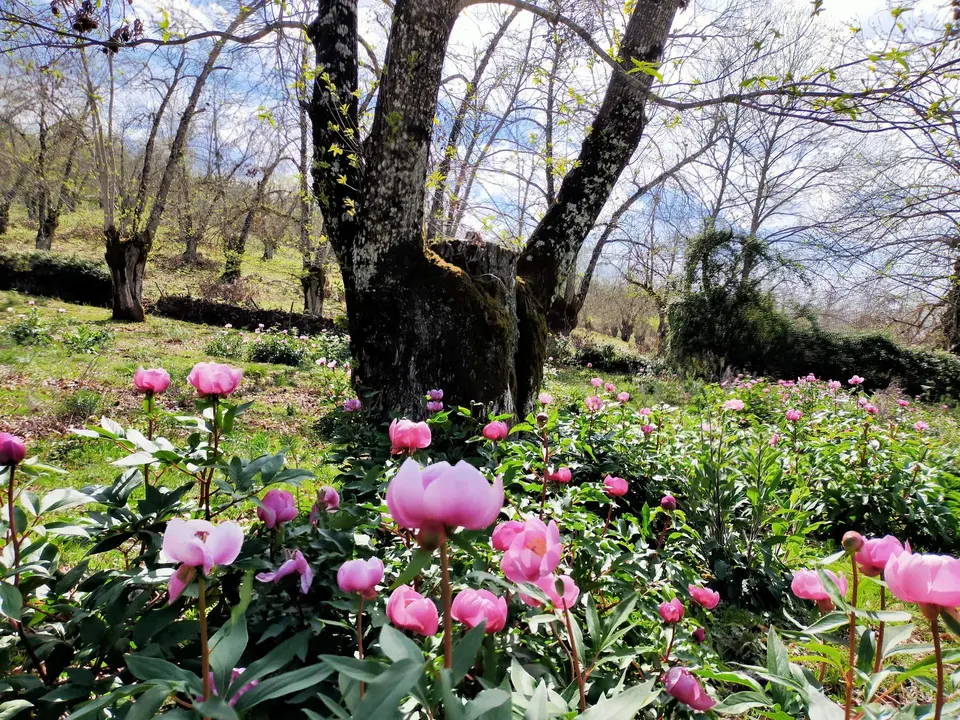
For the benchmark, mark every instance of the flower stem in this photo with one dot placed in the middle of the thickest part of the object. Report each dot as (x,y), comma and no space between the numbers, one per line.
(447,605)
(146,466)
(607,523)
(848,706)
(204,650)
(935,629)
(673,636)
(14,540)
(216,452)
(883,606)
(576,658)
(360,638)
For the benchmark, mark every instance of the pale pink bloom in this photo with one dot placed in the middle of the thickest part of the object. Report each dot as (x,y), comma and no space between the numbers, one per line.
(443,496)
(435,395)
(671,612)
(871,409)
(155,380)
(560,475)
(811,378)
(615,486)
(408,609)
(199,544)
(12,450)
(328,500)
(706,427)
(434,407)
(352,405)
(596,382)
(668,502)
(794,415)
(296,563)
(682,685)
(645,412)
(31,303)
(548,583)
(593,402)
(944,407)
(774,439)
(876,552)
(276,508)
(332,364)
(228,326)
(545,399)
(924,579)
(806,584)
(361,577)
(214,379)
(903,403)
(589,365)
(704,596)
(734,404)
(534,551)
(504,533)
(920,426)
(407,436)
(861,402)
(647,429)
(321,361)
(244,689)
(855,380)
(303,337)
(623,398)
(610,387)
(834,384)
(61,310)
(496,431)
(472,607)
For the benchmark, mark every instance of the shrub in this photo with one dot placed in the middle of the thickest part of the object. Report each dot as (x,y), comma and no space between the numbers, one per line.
(606,357)
(87,340)
(226,344)
(68,278)
(80,405)
(279,348)
(29,329)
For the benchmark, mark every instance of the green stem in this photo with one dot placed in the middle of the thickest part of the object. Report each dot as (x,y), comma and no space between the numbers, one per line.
(609,514)
(883,606)
(360,638)
(14,540)
(935,629)
(447,605)
(576,658)
(848,706)
(146,467)
(204,649)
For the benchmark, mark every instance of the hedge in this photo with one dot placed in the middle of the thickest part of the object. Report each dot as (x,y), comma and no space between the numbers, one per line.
(69,278)
(207,312)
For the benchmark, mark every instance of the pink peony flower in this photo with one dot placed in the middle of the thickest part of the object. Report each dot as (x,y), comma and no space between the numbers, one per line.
(443,496)
(668,502)
(647,430)
(472,607)
(671,612)
(296,563)
(328,500)
(682,685)
(645,412)
(435,395)
(361,577)
(855,380)
(561,475)
(734,404)
(245,688)
(793,415)
(155,380)
(876,552)
(408,609)
(928,580)
(12,450)
(920,426)
(834,384)
(408,436)
(704,596)
(623,398)
(699,635)
(596,382)
(774,439)
(548,583)
(434,406)
(534,551)
(594,403)
(496,431)
(198,544)
(610,387)
(214,379)
(903,403)
(615,486)
(504,533)
(352,405)
(807,586)
(277,507)
(589,365)
(545,399)
(811,377)
(871,409)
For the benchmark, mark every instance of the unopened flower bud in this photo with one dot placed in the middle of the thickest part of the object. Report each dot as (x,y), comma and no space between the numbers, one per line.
(852,541)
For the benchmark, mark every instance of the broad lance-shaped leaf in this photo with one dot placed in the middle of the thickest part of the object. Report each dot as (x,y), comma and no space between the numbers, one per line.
(624,706)
(740,702)
(11,601)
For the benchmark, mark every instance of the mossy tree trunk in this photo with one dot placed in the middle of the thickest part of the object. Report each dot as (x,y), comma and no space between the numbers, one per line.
(468,322)
(4,216)
(127,260)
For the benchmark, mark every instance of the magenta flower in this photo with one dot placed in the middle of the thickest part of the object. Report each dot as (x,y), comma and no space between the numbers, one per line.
(834,384)
(12,450)
(615,486)
(329,497)
(443,496)
(155,380)
(199,544)
(277,507)
(408,436)
(435,395)
(645,412)
(214,379)
(876,552)
(610,387)
(545,399)
(234,674)
(855,380)
(560,475)
(408,609)
(903,403)
(623,398)
(704,596)
(811,377)
(920,426)
(594,403)
(671,612)
(807,586)
(647,430)
(774,439)
(472,607)
(793,415)
(533,552)
(361,577)
(504,533)
(296,563)
(734,404)
(548,583)
(927,580)
(596,382)
(871,409)
(699,635)
(434,406)
(668,502)
(682,685)
(352,405)
(496,431)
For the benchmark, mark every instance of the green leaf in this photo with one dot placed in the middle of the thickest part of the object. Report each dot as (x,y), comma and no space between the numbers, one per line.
(867,651)
(274,660)
(146,706)
(778,662)
(465,653)
(284,684)
(593,621)
(951,621)
(151,669)
(215,709)
(63,499)
(624,706)
(828,622)
(739,702)
(397,646)
(491,704)
(421,558)
(12,708)
(362,670)
(383,695)
(893,636)
(226,649)
(888,616)
(11,601)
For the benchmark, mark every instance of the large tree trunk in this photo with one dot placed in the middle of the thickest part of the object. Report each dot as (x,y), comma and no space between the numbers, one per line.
(191,248)
(313,281)
(4,216)
(47,228)
(127,260)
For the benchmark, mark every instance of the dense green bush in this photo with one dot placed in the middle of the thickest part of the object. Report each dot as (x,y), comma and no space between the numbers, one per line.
(68,278)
